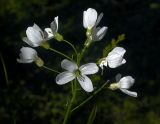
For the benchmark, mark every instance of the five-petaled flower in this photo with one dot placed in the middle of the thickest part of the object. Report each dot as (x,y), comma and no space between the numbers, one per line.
(114,58)
(29,55)
(35,36)
(124,84)
(73,71)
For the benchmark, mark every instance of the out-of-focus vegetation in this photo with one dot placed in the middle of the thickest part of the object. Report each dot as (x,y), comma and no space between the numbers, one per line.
(32,95)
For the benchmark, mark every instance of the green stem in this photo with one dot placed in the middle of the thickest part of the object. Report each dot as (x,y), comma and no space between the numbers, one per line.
(50,69)
(68,112)
(60,53)
(86,46)
(81,55)
(71,46)
(5,70)
(90,97)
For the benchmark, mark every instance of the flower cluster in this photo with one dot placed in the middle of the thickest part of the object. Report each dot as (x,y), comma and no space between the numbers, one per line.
(36,37)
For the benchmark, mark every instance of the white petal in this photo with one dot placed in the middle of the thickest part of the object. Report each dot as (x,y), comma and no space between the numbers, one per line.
(114,60)
(90,17)
(30,43)
(36,27)
(123,61)
(54,25)
(85,83)
(49,33)
(126,82)
(56,20)
(119,50)
(24,61)
(130,93)
(69,65)
(34,35)
(90,68)
(64,77)
(98,19)
(27,55)
(118,77)
(84,19)
(115,57)
(101,31)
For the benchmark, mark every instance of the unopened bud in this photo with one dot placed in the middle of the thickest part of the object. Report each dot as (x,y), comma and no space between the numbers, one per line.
(114,86)
(39,62)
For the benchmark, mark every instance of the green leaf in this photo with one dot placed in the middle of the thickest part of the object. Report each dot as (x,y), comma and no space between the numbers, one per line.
(92,115)
(5,70)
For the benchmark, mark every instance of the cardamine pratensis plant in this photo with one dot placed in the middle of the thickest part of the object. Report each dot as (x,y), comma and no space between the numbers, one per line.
(73,71)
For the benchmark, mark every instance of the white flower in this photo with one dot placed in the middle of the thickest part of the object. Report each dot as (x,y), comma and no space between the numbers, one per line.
(27,55)
(53,28)
(90,18)
(72,72)
(124,84)
(114,58)
(35,36)
(98,33)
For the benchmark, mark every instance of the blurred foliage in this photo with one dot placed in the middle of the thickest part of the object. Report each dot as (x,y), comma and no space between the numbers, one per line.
(33,97)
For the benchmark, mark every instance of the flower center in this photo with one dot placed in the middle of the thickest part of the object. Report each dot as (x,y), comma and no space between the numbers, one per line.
(79,75)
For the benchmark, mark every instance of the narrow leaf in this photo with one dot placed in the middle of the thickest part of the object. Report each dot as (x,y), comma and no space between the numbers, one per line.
(92,115)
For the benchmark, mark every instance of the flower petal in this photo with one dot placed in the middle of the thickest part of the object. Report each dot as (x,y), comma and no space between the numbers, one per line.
(35,36)
(64,77)
(90,68)
(30,43)
(123,61)
(126,82)
(130,93)
(115,57)
(114,60)
(99,19)
(119,50)
(36,27)
(54,25)
(90,17)
(27,55)
(98,33)
(84,19)
(118,77)
(69,65)
(85,83)
(49,33)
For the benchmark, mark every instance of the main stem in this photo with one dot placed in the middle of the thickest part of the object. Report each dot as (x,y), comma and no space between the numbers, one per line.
(74,87)
(71,102)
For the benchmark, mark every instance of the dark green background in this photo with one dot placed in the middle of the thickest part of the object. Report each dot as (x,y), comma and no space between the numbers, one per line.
(32,95)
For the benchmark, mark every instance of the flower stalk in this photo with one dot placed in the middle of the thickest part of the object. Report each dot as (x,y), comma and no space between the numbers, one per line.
(55,71)
(62,54)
